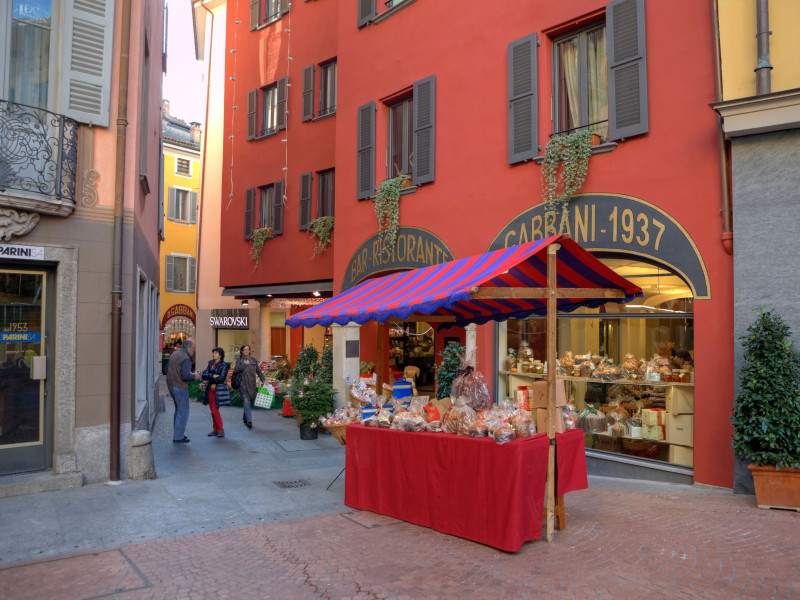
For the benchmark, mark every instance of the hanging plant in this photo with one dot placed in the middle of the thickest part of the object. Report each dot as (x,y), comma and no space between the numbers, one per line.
(564,165)
(321,229)
(260,235)
(387,209)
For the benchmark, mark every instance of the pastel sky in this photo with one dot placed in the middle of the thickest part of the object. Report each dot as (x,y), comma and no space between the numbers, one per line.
(184,83)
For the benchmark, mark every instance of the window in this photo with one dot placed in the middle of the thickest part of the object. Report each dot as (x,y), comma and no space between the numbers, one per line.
(182,205)
(267,201)
(326,193)
(269,110)
(273,10)
(183,166)
(401,143)
(270,117)
(266,11)
(327,92)
(179,273)
(581,82)
(28,59)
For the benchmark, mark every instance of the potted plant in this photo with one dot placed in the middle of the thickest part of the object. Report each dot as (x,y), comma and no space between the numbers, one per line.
(766,414)
(316,402)
(565,163)
(387,208)
(321,229)
(448,369)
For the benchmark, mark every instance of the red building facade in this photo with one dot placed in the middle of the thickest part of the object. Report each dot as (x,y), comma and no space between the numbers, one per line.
(464,99)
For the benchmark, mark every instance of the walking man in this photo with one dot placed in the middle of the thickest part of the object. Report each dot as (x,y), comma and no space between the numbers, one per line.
(179,373)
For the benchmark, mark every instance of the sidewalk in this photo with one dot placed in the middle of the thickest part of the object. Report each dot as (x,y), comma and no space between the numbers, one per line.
(216,525)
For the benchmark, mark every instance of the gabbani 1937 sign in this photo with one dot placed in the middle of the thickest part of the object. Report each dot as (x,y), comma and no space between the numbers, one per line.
(413,248)
(614,223)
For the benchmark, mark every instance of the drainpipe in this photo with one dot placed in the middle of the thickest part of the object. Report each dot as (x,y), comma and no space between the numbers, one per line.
(116,273)
(763,68)
(724,167)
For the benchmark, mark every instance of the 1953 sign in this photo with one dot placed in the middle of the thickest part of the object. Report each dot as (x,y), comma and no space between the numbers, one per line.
(608,222)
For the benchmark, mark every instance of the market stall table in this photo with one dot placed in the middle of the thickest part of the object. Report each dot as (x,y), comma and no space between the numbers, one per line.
(469,487)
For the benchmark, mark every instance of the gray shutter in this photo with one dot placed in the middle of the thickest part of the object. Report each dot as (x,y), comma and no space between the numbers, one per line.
(277,208)
(193,209)
(255,7)
(161,192)
(366,12)
(88,38)
(305,200)
(169,270)
(171,204)
(249,199)
(627,69)
(523,100)
(282,87)
(308,93)
(192,276)
(365,169)
(252,106)
(284,6)
(424,130)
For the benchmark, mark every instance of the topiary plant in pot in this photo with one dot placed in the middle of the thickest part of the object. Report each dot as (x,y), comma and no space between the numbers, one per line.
(766,413)
(448,369)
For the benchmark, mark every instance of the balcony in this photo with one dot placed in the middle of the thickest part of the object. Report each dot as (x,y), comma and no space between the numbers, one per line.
(38,159)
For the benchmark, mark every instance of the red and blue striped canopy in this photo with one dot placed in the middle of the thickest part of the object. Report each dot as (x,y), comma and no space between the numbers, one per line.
(444,289)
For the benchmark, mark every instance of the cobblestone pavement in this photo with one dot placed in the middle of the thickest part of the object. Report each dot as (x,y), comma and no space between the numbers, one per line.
(618,544)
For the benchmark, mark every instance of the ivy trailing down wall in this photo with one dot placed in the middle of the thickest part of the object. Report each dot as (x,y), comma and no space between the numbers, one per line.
(321,229)
(387,208)
(565,164)
(260,236)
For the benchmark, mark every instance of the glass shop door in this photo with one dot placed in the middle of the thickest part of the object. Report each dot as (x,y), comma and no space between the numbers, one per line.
(25,422)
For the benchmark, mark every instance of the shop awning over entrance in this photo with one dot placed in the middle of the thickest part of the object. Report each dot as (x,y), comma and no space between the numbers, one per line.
(498,285)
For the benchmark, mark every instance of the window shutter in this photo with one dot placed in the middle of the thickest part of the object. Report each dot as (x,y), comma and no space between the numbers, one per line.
(193,209)
(252,105)
(627,69)
(305,200)
(308,93)
(277,208)
(86,61)
(523,100)
(366,151)
(171,204)
(282,87)
(168,273)
(249,200)
(255,6)
(284,6)
(366,12)
(161,194)
(424,130)
(192,275)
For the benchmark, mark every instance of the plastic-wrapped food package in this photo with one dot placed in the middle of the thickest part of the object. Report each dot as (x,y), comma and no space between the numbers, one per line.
(471,384)
(384,417)
(434,426)
(570,418)
(523,424)
(478,429)
(371,421)
(399,417)
(417,404)
(504,433)
(415,423)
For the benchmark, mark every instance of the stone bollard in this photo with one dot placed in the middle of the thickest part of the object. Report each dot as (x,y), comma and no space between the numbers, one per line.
(141,463)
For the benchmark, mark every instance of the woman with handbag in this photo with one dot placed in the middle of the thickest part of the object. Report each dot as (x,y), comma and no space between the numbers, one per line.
(217,393)
(246,370)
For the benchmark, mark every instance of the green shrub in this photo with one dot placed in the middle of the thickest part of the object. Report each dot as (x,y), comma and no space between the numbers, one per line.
(766,413)
(448,369)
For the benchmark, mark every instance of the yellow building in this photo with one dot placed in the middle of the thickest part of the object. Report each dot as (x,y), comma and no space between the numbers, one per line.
(178,256)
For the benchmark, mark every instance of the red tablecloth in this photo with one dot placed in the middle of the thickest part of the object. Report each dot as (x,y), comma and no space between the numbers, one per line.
(570,462)
(472,488)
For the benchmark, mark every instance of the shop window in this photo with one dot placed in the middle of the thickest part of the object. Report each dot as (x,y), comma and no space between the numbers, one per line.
(179,273)
(327,91)
(266,110)
(183,166)
(326,193)
(263,12)
(639,356)
(181,205)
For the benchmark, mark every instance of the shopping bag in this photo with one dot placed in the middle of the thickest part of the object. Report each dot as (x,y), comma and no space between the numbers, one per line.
(264,397)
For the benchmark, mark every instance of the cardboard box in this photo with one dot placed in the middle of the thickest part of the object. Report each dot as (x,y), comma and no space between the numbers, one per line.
(537,394)
(680,400)
(680,429)
(681,456)
(654,416)
(654,432)
(542,423)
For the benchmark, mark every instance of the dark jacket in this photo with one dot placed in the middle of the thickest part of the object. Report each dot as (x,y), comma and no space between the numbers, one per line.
(249,370)
(214,375)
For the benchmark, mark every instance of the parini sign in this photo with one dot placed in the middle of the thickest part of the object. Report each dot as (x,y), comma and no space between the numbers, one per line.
(616,223)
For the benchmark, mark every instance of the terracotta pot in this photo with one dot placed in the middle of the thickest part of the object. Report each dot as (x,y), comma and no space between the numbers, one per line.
(596,139)
(776,488)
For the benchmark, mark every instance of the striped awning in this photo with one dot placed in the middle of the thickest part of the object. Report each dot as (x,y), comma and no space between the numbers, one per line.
(499,285)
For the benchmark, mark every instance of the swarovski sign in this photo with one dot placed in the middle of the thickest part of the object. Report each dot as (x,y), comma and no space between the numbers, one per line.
(231,317)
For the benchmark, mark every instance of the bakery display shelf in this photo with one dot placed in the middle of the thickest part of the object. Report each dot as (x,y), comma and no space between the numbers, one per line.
(600,380)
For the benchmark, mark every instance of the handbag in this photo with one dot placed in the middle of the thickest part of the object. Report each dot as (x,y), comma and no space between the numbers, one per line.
(264,397)
(236,380)
(222,395)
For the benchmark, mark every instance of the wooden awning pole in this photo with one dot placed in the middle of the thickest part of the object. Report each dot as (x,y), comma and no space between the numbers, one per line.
(552,354)
(380,360)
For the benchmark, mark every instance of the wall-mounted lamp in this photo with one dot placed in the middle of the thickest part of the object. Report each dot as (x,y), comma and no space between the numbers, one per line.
(269,295)
(244,302)
(315,293)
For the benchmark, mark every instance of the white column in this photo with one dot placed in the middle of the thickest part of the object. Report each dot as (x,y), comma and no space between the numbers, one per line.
(344,365)
(472,340)
(264,333)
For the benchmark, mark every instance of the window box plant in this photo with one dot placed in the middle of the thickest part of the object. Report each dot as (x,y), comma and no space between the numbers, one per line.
(565,164)
(321,229)
(387,208)
(766,415)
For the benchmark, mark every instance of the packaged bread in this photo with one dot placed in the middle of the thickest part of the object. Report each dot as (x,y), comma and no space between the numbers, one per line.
(434,426)
(478,429)
(567,360)
(523,424)
(384,417)
(504,433)
(399,417)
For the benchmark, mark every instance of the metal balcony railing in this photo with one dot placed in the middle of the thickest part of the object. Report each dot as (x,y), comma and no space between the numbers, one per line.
(38,151)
